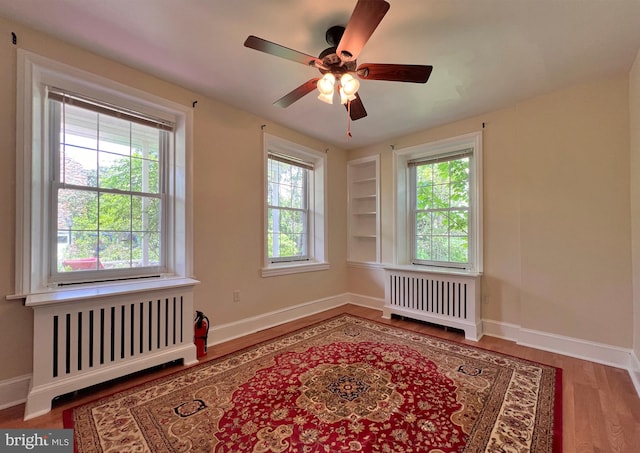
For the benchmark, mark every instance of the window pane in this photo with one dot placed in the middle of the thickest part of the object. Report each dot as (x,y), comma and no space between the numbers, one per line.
(459,170)
(78,143)
(114,171)
(114,135)
(459,247)
(440,196)
(145,214)
(440,222)
(424,198)
(80,253)
(286,236)
(146,249)
(80,127)
(423,247)
(423,223)
(287,210)
(442,211)
(114,212)
(77,210)
(460,194)
(287,186)
(458,223)
(440,248)
(145,175)
(114,248)
(441,173)
(145,141)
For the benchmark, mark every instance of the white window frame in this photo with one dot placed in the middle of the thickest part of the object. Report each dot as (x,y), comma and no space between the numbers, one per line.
(33,161)
(317,223)
(403,235)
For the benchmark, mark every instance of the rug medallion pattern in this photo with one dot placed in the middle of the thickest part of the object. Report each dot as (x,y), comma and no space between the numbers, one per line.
(347,384)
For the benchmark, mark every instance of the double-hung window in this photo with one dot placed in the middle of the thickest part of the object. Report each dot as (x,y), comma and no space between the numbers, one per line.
(287,208)
(440,208)
(107,186)
(295,220)
(438,199)
(103,189)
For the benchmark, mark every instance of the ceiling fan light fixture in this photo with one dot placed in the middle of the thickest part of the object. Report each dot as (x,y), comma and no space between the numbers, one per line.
(328,98)
(326,83)
(325,87)
(344,98)
(349,84)
(348,88)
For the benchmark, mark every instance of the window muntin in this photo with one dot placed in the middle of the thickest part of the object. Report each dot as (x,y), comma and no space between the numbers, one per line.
(106,188)
(287,209)
(440,210)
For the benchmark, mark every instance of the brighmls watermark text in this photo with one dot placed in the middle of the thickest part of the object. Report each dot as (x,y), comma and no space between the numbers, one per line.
(36,440)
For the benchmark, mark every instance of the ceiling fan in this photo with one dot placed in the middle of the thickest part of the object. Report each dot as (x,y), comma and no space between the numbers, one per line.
(338,65)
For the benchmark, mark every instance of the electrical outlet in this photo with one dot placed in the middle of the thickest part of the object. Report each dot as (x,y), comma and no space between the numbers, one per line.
(236,296)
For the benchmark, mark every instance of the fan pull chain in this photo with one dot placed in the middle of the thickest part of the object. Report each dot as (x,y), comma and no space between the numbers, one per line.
(348,119)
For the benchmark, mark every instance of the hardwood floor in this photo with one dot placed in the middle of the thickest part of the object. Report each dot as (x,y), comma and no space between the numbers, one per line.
(601,410)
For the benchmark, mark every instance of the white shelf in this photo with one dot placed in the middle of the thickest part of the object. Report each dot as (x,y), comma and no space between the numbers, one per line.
(364,209)
(363,180)
(365,197)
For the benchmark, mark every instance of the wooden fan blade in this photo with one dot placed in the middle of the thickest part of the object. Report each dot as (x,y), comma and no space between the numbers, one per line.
(395,72)
(304,89)
(364,20)
(356,109)
(253,42)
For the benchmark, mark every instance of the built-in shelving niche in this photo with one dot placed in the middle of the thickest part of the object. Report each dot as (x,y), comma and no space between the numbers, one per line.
(364,210)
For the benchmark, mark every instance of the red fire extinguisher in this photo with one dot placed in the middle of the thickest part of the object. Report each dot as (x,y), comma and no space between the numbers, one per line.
(201,331)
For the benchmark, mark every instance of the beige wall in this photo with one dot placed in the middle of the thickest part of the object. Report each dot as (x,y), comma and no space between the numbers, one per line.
(634,121)
(228,214)
(15,321)
(556,211)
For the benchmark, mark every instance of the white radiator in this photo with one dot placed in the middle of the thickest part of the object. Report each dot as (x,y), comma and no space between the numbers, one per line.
(451,300)
(83,342)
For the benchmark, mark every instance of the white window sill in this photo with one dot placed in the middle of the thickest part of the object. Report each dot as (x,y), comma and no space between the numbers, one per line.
(84,292)
(432,270)
(293,268)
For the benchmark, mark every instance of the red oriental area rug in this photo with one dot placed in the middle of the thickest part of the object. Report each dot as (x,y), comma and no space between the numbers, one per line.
(346,384)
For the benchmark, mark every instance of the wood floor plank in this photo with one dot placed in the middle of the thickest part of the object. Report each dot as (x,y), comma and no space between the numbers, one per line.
(601,409)
(568,417)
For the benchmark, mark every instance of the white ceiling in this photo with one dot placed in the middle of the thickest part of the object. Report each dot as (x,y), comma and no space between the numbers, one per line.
(486,54)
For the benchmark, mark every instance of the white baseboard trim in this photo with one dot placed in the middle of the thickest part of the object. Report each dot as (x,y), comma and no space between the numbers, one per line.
(237,329)
(634,371)
(14,391)
(581,349)
(225,332)
(573,347)
(503,330)
(374,303)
